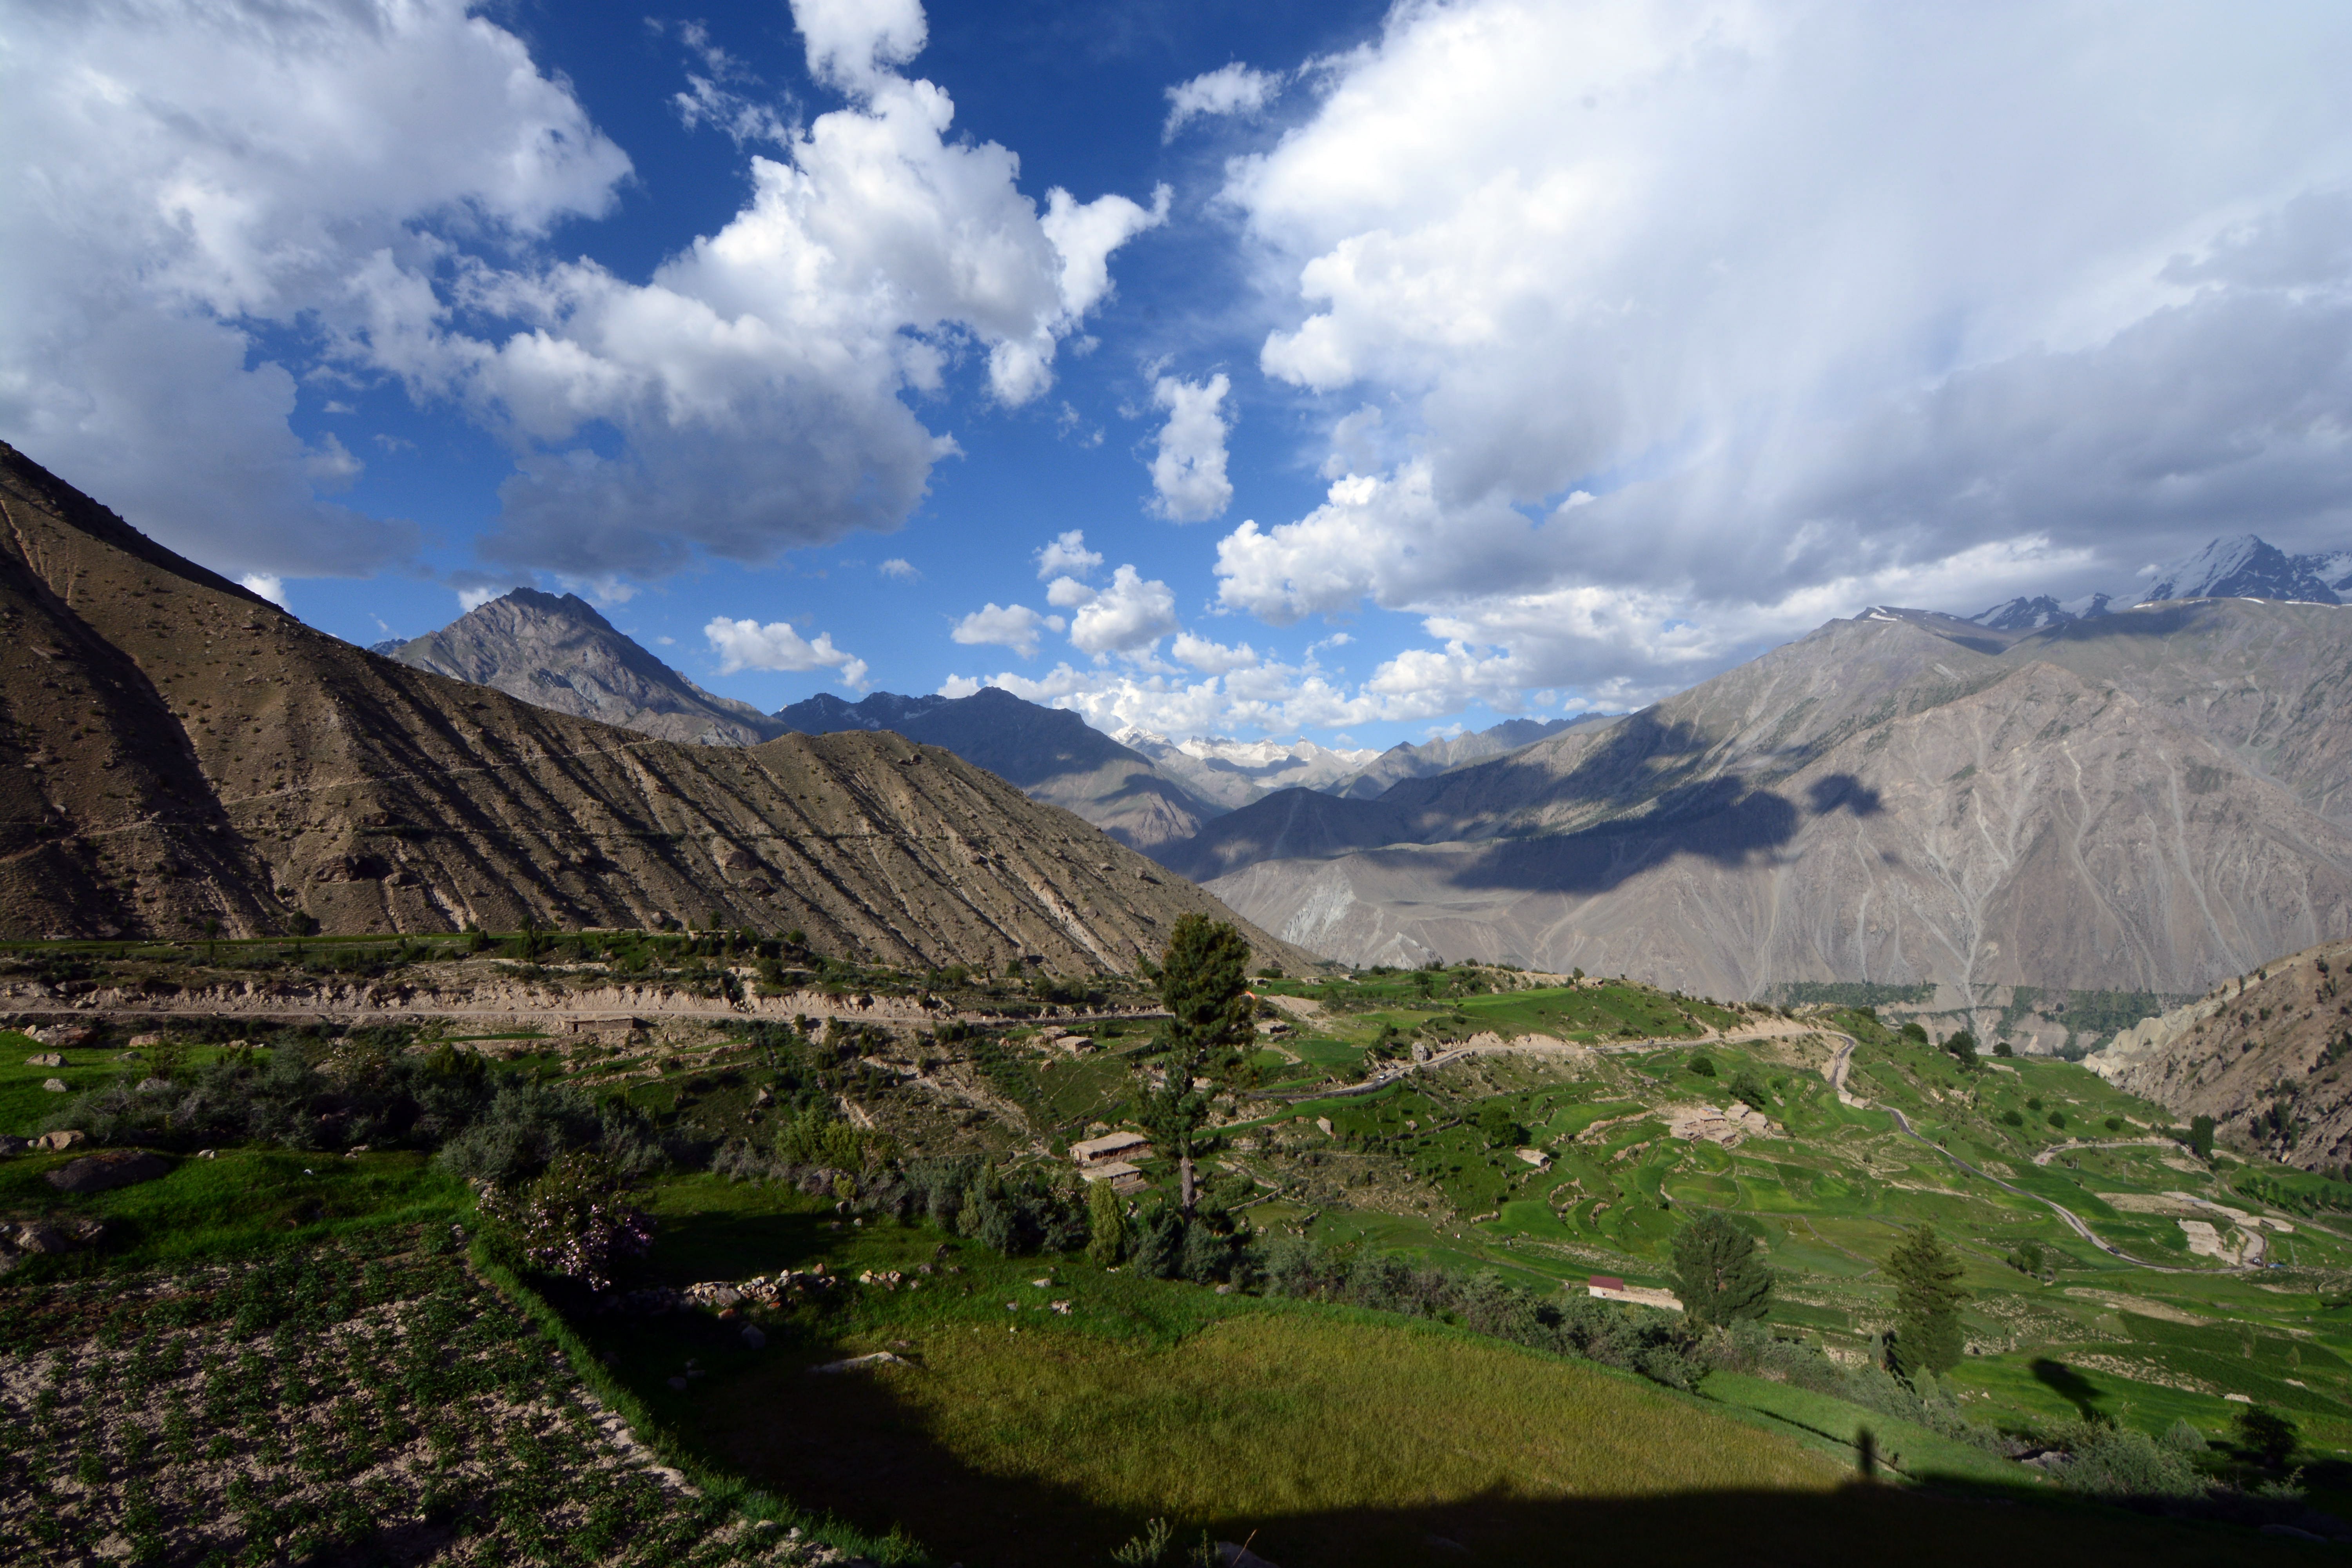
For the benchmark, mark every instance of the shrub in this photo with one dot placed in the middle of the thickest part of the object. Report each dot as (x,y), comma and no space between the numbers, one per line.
(526,1126)
(1498,1127)
(1018,1213)
(2117,1462)
(1702,1066)
(573,1221)
(2180,1437)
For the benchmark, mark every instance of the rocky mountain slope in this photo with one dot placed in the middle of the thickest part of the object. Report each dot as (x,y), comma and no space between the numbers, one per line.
(2264,1055)
(2146,801)
(1050,752)
(560,653)
(175,751)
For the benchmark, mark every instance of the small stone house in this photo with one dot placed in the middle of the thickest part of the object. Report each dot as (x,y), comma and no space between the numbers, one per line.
(1110,1146)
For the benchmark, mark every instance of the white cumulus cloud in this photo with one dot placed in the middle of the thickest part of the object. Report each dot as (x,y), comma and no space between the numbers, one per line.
(747,645)
(1067,554)
(1189,470)
(1016,626)
(1132,613)
(174,177)
(1212,657)
(1686,320)
(382,179)
(1233,88)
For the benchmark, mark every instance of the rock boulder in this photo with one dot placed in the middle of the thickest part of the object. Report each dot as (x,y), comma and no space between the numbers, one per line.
(108,1169)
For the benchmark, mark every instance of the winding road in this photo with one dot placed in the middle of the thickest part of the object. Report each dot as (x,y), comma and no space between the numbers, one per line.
(1843,1062)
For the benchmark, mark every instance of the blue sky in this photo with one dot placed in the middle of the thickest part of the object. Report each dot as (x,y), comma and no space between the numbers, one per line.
(1397,368)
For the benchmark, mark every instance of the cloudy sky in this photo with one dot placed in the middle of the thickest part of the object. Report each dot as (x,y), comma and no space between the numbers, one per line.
(1212,367)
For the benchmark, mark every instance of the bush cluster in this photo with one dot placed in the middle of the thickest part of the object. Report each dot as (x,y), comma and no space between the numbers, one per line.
(1482,1301)
(494,1124)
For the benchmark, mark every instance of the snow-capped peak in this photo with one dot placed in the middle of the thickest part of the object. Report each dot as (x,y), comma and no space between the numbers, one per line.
(2246,567)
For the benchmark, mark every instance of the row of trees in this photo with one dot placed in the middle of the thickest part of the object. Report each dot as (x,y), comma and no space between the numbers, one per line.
(1722,1279)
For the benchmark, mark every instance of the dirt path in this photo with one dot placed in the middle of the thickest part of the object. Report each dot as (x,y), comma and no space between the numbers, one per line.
(1531,1045)
(2074,1220)
(2067,1148)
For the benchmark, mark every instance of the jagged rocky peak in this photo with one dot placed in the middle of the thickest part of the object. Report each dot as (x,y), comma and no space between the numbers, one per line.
(556,651)
(2243,566)
(2247,567)
(2039,613)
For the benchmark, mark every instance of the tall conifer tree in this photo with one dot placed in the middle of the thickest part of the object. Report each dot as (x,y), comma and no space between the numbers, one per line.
(1928,1298)
(1204,986)
(1717,1273)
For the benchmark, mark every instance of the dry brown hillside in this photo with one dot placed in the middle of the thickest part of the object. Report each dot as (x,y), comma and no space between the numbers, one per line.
(2268,1056)
(175,751)
(2146,801)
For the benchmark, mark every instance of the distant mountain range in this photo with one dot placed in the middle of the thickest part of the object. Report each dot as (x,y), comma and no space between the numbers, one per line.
(2048,794)
(1145,790)
(2243,567)
(2147,800)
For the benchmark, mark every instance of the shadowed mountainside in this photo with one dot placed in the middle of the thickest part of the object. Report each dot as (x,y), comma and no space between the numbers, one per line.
(560,653)
(175,750)
(2146,801)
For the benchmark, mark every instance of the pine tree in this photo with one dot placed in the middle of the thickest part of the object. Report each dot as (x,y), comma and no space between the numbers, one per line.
(1204,986)
(1717,1273)
(1928,1298)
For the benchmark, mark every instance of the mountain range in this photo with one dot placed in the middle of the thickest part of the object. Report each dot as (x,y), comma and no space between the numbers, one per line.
(2243,566)
(2147,800)
(180,756)
(1144,790)
(2047,793)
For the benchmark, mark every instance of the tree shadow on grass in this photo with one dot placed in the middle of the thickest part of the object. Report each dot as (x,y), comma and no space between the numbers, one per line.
(2068,1384)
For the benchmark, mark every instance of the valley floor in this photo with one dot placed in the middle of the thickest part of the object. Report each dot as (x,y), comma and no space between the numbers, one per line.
(283,1354)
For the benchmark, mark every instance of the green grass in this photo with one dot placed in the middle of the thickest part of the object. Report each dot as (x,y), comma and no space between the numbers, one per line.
(25,1106)
(1261,1417)
(245,1201)
(1903,1446)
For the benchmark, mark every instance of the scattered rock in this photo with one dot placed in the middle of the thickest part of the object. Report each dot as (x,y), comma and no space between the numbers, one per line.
(56,1140)
(753,1338)
(108,1169)
(35,1236)
(1231,1554)
(208,1154)
(764,1097)
(9,1145)
(46,1060)
(859,1363)
(139,1041)
(154,1086)
(54,1084)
